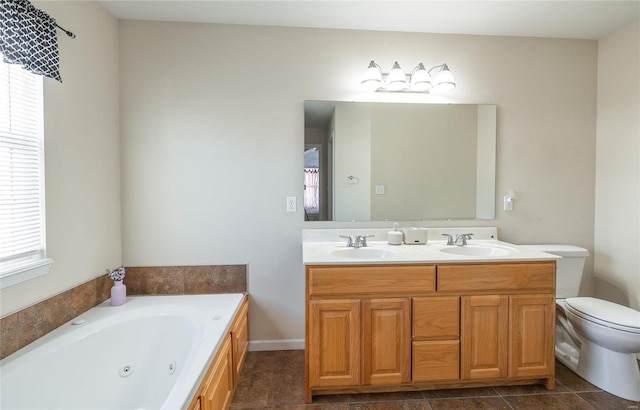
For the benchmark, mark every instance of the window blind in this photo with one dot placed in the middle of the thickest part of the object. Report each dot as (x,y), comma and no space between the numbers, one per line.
(22,217)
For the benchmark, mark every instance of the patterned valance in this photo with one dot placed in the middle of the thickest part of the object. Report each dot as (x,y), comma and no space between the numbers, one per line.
(28,37)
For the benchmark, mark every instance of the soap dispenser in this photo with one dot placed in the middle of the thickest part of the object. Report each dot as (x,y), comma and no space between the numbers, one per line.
(394,237)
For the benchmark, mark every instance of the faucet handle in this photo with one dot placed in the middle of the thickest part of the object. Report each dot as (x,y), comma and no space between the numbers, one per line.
(349,240)
(361,240)
(449,238)
(461,239)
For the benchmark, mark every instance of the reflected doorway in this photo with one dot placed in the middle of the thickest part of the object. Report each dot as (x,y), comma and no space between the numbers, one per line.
(312,182)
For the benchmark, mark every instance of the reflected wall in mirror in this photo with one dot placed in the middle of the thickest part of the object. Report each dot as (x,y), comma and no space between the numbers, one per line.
(398,162)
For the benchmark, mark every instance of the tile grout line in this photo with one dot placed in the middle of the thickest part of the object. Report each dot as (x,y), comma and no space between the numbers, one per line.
(463,397)
(583,400)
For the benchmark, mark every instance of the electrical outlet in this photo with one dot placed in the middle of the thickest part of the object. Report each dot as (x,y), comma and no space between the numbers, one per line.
(291,204)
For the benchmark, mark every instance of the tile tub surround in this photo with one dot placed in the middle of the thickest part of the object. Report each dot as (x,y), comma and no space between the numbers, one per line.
(188,280)
(25,326)
(275,380)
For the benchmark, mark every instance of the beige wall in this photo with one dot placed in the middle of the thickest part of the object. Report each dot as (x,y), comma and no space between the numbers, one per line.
(617,218)
(212,140)
(82,150)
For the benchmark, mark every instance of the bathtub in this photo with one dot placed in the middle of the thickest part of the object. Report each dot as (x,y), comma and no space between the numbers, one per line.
(150,353)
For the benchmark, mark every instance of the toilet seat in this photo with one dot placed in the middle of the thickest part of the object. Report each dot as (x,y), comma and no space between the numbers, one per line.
(605,313)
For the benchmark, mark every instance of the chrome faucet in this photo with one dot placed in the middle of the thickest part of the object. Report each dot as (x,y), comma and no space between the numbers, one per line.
(349,240)
(449,238)
(461,239)
(360,241)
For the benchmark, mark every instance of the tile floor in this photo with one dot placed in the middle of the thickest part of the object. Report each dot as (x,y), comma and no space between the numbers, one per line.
(275,380)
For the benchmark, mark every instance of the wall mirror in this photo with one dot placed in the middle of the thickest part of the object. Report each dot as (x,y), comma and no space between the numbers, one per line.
(398,162)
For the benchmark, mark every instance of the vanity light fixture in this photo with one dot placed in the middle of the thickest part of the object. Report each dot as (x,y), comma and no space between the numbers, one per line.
(419,81)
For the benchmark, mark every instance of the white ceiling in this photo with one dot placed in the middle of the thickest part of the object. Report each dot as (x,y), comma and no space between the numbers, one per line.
(560,19)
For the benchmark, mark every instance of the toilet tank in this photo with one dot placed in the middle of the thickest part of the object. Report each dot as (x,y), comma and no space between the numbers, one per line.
(569,269)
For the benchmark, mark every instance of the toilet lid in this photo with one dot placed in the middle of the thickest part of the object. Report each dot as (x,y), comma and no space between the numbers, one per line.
(606,313)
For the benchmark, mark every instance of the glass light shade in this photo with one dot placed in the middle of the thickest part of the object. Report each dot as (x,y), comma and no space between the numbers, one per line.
(444,81)
(396,80)
(420,79)
(372,78)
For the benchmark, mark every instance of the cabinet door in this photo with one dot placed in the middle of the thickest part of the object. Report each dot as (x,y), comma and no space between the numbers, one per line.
(484,336)
(219,380)
(240,341)
(532,332)
(334,343)
(386,346)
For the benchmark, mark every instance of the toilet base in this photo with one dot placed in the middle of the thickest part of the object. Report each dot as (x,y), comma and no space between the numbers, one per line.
(568,359)
(613,372)
(567,341)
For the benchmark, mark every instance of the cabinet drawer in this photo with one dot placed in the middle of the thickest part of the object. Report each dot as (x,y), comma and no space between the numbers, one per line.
(436,317)
(499,277)
(370,280)
(436,361)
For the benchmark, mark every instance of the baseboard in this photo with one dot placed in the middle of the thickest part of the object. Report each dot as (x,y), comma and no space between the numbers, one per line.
(284,344)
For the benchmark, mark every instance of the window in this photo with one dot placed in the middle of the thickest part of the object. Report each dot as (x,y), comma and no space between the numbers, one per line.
(22,211)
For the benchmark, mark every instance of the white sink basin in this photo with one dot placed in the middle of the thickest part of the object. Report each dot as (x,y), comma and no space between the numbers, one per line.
(479,250)
(364,253)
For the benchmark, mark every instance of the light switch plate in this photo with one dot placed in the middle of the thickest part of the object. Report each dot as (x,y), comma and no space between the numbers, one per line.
(291,204)
(508,203)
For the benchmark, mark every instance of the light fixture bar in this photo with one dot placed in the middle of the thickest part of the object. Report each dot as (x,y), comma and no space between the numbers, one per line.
(419,81)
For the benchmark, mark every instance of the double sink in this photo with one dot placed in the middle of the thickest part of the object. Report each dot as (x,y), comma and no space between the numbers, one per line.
(326,247)
(380,251)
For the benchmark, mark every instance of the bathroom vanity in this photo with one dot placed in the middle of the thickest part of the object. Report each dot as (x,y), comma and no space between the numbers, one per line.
(422,318)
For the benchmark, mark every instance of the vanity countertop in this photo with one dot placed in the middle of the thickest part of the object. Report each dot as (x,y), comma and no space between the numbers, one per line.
(380,252)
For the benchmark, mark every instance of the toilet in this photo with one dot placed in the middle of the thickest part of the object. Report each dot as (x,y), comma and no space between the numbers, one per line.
(595,338)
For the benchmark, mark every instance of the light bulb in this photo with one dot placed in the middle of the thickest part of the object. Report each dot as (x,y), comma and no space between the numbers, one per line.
(396,80)
(372,78)
(444,81)
(420,79)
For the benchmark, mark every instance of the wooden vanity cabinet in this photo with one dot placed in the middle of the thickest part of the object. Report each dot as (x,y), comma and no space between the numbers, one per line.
(360,342)
(507,336)
(358,324)
(409,327)
(436,339)
(507,321)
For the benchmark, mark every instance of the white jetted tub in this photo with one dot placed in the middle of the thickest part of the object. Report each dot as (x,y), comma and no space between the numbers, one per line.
(150,353)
